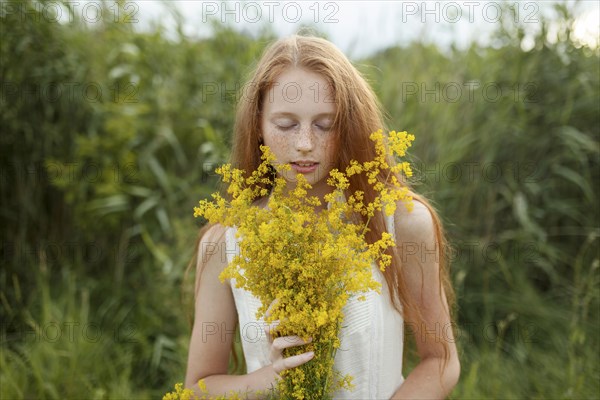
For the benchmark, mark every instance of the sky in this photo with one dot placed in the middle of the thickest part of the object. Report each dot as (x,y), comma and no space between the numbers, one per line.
(360,28)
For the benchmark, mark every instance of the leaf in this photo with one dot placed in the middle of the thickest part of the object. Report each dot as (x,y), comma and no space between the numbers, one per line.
(577,179)
(159,172)
(146,205)
(109,205)
(520,211)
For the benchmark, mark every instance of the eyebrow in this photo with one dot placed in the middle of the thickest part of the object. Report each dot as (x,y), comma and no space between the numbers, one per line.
(289,114)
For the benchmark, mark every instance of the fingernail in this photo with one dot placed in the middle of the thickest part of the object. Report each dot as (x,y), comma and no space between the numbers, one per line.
(310,354)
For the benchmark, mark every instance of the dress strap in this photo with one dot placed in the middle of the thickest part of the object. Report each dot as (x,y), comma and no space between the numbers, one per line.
(390,225)
(230,244)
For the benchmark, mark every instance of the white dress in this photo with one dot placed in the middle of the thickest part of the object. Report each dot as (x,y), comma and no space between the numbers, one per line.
(371,338)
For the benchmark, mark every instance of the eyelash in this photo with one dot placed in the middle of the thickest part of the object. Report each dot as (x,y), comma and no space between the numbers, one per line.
(287,128)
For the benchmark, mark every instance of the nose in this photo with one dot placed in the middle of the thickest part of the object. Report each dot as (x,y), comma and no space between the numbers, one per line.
(305,140)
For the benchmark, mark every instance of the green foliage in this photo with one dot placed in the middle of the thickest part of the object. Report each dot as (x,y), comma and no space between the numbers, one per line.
(70,347)
(101,168)
(109,137)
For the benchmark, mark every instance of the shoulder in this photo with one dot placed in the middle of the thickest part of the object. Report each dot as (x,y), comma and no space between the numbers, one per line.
(214,233)
(416,226)
(212,257)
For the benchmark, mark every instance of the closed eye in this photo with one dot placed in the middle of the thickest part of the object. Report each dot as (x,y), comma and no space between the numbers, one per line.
(325,128)
(286,127)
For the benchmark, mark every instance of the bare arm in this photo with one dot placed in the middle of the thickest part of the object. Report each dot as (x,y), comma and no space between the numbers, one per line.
(429,379)
(214,323)
(212,334)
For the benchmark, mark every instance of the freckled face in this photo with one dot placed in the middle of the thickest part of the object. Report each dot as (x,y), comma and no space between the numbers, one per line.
(297,119)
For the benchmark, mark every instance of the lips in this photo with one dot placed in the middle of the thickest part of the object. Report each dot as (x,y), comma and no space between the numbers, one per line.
(304,167)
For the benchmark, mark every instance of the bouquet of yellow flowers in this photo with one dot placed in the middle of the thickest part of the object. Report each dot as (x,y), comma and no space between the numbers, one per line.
(304,264)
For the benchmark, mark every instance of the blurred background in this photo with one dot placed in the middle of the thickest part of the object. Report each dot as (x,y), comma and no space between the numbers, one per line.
(113,115)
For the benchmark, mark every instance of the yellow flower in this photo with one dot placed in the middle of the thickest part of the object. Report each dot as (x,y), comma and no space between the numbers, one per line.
(310,262)
(180,394)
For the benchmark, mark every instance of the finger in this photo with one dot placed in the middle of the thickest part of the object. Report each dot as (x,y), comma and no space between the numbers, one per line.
(285,342)
(270,329)
(293,361)
(268,312)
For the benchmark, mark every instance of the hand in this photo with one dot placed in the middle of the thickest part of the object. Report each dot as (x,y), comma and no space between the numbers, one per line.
(278,362)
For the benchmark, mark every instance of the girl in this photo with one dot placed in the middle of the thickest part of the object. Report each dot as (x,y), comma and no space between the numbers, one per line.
(314,110)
